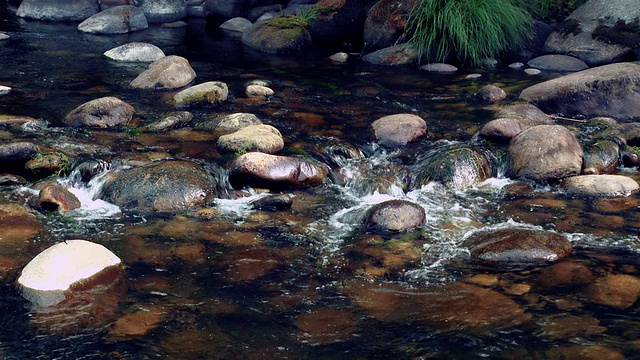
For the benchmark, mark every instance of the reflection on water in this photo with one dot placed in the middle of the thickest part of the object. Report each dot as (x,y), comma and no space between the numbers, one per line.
(230,281)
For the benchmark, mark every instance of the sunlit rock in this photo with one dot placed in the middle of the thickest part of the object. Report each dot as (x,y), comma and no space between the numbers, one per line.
(325,326)
(399,129)
(273,203)
(601,157)
(161,11)
(104,112)
(392,56)
(55,10)
(47,164)
(254,90)
(600,185)
(208,93)
(135,52)
(262,138)
(616,290)
(557,63)
(169,72)
(57,198)
(545,153)
(502,129)
(454,167)
(19,226)
(4,90)
(116,20)
(67,267)
(272,171)
(515,246)
(162,186)
(396,215)
(237,24)
(169,121)
(227,124)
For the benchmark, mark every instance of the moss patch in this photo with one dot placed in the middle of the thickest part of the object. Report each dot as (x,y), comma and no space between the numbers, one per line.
(570,26)
(622,33)
(288,22)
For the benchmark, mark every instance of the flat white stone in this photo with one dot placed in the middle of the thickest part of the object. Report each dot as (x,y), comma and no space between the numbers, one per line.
(532,71)
(4,36)
(135,52)
(4,90)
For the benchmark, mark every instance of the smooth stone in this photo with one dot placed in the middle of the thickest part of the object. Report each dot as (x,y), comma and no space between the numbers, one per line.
(56,270)
(167,73)
(562,275)
(325,326)
(121,19)
(396,216)
(340,57)
(393,56)
(135,51)
(258,91)
(238,24)
(17,152)
(103,112)
(600,185)
(262,138)
(57,198)
(503,129)
(272,171)
(273,203)
(473,76)
(439,68)
(208,93)
(616,290)
(557,63)
(516,65)
(490,94)
(531,71)
(47,164)
(399,129)
(230,123)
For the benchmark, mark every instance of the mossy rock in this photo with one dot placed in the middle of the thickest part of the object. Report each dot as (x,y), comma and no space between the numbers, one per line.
(454,167)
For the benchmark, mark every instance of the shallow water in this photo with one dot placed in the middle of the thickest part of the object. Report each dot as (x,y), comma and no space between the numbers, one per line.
(310,282)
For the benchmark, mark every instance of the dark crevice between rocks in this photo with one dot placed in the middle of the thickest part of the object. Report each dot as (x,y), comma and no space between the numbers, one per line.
(622,33)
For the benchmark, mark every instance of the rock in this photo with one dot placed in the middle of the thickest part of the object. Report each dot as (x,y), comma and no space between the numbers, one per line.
(116,20)
(134,52)
(545,153)
(601,157)
(105,4)
(167,73)
(532,71)
(47,164)
(171,185)
(54,10)
(237,24)
(517,246)
(340,57)
(12,180)
(503,129)
(267,37)
(339,22)
(19,226)
(439,68)
(399,129)
(57,198)
(583,352)
(600,185)
(103,112)
(230,123)
(262,138)
(597,32)
(271,171)
(568,326)
(557,63)
(454,167)
(218,11)
(273,203)
(162,11)
(490,94)
(599,91)
(563,274)
(394,55)
(4,90)
(528,114)
(208,93)
(137,323)
(325,326)
(54,274)
(17,153)
(385,23)
(396,216)
(258,91)
(169,121)
(516,65)
(616,290)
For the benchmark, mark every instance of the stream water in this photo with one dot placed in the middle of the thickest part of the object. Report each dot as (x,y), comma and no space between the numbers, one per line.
(229,282)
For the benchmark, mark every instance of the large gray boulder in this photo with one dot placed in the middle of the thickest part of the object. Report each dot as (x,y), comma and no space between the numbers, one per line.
(171,185)
(58,10)
(103,112)
(121,19)
(609,90)
(167,73)
(135,52)
(597,32)
(160,11)
(545,153)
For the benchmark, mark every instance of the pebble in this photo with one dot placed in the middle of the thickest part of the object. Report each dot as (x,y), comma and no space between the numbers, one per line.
(516,65)
(4,89)
(4,36)
(531,71)
(340,57)
(473,76)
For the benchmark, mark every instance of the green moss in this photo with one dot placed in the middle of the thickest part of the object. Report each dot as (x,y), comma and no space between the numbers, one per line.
(288,22)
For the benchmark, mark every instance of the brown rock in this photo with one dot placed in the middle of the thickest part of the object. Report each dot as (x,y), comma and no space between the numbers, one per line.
(138,323)
(619,291)
(271,171)
(57,198)
(563,274)
(101,113)
(399,129)
(568,326)
(584,352)
(396,215)
(325,326)
(169,72)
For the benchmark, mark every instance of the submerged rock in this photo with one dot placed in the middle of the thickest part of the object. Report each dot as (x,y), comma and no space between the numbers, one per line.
(516,246)
(396,216)
(272,171)
(601,185)
(385,23)
(273,203)
(171,185)
(167,73)
(545,153)
(399,129)
(393,56)
(230,123)
(169,121)
(601,157)
(439,68)
(262,138)
(116,20)
(454,167)
(101,113)
(66,267)
(19,225)
(134,52)
(616,290)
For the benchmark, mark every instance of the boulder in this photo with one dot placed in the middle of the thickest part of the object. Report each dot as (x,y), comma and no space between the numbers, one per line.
(116,20)
(227,124)
(396,216)
(262,138)
(167,73)
(237,24)
(601,91)
(208,93)
(56,10)
(399,129)
(57,198)
(528,114)
(275,172)
(452,166)
(600,185)
(171,185)
(601,157)
(616,290)
(273,38)
(135,52)
(385,23)
(17,153)
(161,11)
(338,22)
(598,32)
(489,94)
(54,274)
(439,68)
(557,63)
(169,121)
(218,11)
(545,153)
(47,164)
(401,54)
(516,246)
(103,112)
(502,129)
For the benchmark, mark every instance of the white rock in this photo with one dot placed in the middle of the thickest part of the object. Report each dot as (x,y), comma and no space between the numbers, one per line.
(601,185)
(4,36)
(55,270)
(516,65)
(473,76)
(340,57)
(532,71)
(135,51)
(258,90)
(4,90)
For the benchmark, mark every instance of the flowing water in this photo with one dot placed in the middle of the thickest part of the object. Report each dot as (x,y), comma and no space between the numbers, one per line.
(230,282)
